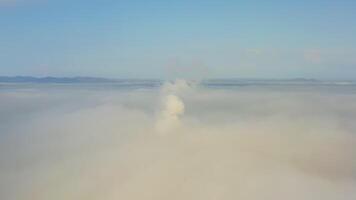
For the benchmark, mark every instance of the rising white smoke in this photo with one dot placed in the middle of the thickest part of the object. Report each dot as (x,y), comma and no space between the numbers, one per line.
(177,87)
(172,107)
(248,143)
(169,116)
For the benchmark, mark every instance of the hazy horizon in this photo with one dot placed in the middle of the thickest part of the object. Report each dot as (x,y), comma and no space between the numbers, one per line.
(173,79)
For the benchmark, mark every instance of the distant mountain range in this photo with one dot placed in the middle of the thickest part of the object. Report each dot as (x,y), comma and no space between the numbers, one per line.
(78,79)
(295,81)
(156,82)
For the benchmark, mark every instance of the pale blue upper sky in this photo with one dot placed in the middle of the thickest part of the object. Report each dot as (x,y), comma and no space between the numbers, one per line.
(179,38)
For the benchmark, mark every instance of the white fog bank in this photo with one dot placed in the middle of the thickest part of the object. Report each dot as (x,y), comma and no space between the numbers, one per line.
(182,141)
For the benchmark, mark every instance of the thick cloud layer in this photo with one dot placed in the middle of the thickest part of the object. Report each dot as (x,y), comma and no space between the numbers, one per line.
(181,141)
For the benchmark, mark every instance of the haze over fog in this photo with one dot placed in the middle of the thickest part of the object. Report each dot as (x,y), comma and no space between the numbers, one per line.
(179,141)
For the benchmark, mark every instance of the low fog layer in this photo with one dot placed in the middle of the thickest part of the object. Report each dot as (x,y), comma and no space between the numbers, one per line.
(181,141)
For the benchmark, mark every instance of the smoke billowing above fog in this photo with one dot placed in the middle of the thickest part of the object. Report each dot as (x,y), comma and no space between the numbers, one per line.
(172,107)
(180,141)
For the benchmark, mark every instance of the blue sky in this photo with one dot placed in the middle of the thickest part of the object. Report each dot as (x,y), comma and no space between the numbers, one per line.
(179,39)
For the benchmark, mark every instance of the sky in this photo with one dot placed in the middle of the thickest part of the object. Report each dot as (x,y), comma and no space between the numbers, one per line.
(179,39)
